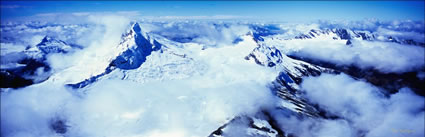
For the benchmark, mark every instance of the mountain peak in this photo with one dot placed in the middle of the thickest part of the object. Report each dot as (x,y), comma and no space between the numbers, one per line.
(141,46)
(46,39)
(52,45)
(136,27)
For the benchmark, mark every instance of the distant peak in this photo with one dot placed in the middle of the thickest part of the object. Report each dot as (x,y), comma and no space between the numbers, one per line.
(50,39)
(52,45)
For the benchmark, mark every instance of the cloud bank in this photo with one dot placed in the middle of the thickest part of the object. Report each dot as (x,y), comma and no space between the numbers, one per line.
(383,56)
(375,24)
(180,108)
(363,110)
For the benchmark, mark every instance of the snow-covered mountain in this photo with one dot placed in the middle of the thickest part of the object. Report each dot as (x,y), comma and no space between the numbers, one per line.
(50,45)
(349,35)
(29,65)
(293,69)
(142,57)
(336,40)
(262,71)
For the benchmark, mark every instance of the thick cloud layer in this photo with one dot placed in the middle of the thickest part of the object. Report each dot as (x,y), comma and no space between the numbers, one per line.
(383,56)
(374,25)
(363,110)
(122,108)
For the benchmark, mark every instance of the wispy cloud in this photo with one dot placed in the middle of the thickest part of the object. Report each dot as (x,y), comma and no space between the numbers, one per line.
(122,13)
(12,6)
(215,17)
(74,17)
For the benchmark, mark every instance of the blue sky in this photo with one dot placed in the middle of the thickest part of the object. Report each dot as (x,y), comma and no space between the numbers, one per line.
(269,10)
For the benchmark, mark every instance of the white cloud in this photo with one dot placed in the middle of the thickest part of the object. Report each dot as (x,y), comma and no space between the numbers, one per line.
(101,49)
(30,115)
(74,17)
(202,32)
(12,6)
(364,107)
(374,24)
(215,17)
(124,108)
(383,56)
(311,127)
(408,35)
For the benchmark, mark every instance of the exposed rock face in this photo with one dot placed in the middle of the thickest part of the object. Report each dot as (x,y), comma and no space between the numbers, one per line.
(136,54)
(59,126)
(10,80)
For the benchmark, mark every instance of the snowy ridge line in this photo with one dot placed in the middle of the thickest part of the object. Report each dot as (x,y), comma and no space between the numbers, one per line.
(348,35)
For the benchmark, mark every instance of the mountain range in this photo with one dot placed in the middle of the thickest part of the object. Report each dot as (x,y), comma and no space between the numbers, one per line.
(144,57)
